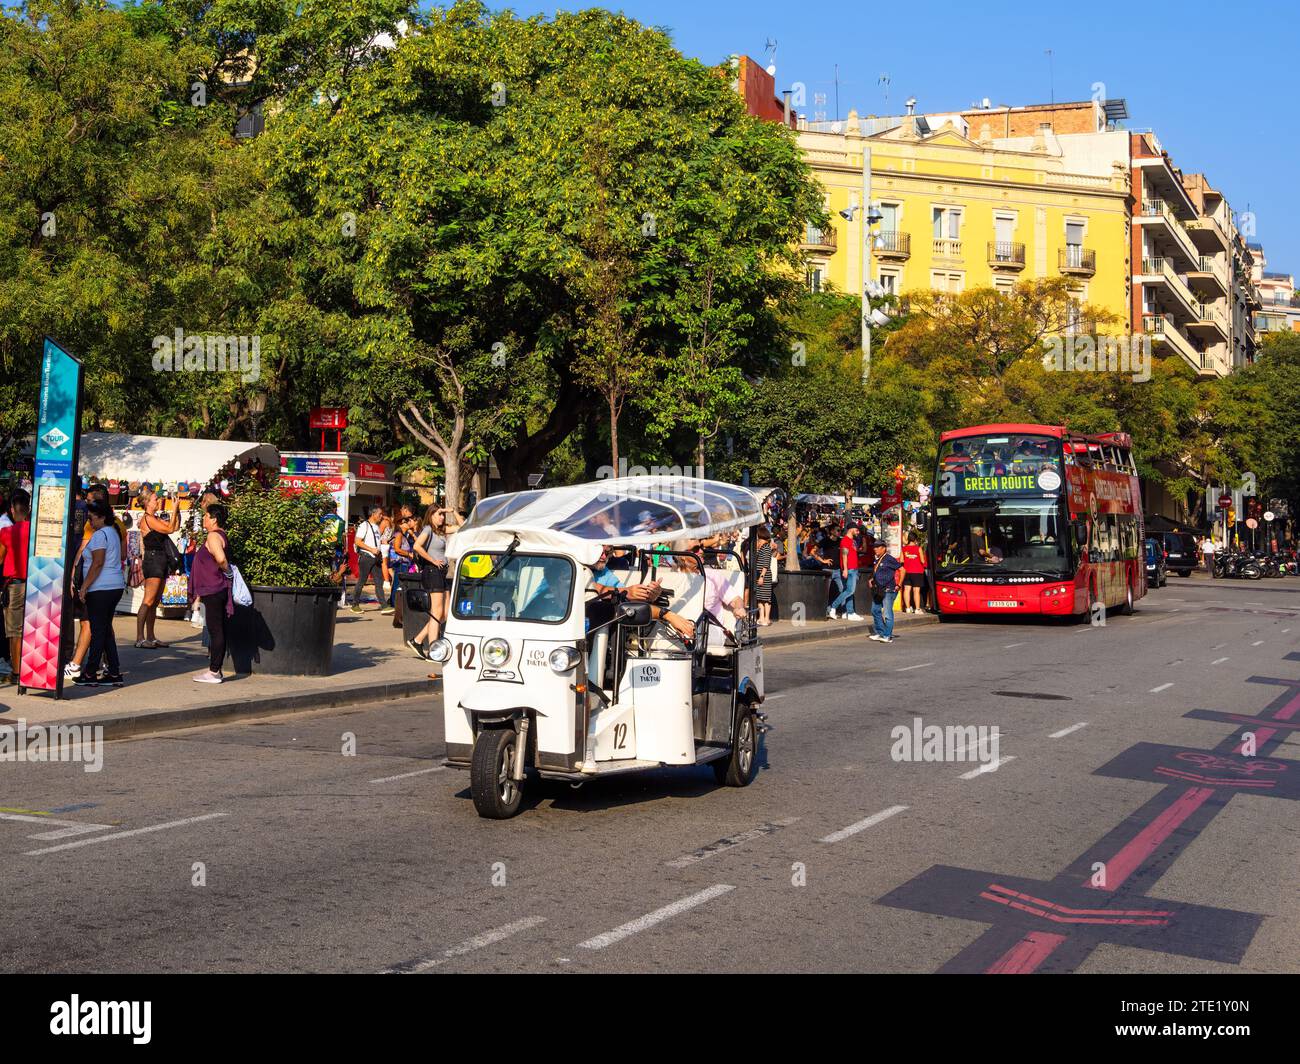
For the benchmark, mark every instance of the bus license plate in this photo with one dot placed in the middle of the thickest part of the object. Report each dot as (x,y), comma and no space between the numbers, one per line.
(1008,604)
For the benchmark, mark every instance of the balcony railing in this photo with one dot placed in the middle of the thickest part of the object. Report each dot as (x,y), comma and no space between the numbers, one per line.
(1162,267)
(890,244)
(1162,326)
(945,248)
(1208,312)
(1158,208)
(815,239)
(1074,258)
(1005,255)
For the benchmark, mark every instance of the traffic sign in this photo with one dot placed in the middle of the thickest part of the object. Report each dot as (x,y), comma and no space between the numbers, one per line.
(1269,515)
(1251,523)
(1225,501)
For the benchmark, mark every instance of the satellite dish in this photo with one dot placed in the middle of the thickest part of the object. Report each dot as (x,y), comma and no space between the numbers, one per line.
(771,69)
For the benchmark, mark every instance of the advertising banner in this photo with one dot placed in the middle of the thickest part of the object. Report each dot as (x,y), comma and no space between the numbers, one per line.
(58,434)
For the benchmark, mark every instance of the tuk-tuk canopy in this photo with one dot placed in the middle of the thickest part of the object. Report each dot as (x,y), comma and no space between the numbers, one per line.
(626,511)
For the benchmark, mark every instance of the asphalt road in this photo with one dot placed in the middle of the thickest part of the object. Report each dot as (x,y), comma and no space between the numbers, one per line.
(1115,834)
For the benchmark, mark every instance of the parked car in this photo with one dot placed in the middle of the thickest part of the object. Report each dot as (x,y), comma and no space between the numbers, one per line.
(1182,553)
(1157,565)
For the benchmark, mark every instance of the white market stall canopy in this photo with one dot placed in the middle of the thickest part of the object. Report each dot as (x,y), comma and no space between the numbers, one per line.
(162,459)
(629,511)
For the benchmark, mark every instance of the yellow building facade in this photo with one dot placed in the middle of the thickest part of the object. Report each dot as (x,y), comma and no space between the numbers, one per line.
(956,214)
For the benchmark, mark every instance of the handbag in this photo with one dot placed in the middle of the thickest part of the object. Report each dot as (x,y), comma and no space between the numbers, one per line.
(417,600)
(238,588)
(174,561)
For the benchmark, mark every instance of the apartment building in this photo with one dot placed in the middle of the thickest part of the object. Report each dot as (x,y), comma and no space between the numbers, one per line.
(1274,311)
(951,212)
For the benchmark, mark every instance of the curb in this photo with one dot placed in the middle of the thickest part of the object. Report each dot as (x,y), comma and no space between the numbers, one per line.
(125,726)
(818,630)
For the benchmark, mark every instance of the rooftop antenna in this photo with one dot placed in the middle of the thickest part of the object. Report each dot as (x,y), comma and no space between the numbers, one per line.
(1051,77)
(883,82)
(837,92)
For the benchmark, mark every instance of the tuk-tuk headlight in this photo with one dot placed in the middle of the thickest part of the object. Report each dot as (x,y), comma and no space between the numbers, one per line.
(563,659)
(496,652)
(439,650)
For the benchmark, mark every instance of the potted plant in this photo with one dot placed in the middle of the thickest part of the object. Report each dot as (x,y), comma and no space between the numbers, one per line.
(285,556)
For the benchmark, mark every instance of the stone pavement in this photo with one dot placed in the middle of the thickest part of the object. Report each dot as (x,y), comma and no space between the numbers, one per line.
(371,664)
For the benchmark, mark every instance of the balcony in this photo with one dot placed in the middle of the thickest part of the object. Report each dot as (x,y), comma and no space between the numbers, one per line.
(1074,260)
(1159,217)
(1162,327)
(947,249)
(1210,276)
(1210,323)
(1159,273)
(892,245)
(818,240)
(1006,256)
(1209,232)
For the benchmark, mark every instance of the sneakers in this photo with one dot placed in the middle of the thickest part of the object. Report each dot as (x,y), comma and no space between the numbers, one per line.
(386,611)
(419,650)
(885,639)
(82,680)
(115,680)
(830,615)
(853,617)
(71,670)
(208,676)
(355,608)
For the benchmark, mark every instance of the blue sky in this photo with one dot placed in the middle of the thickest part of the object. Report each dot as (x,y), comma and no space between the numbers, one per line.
(1217,83)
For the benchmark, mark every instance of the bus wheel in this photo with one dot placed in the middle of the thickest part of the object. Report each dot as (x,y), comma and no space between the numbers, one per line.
(496,796)
(1127,608)
(737,769)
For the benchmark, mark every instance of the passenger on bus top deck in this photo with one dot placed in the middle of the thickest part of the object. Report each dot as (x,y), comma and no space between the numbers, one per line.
(958,460)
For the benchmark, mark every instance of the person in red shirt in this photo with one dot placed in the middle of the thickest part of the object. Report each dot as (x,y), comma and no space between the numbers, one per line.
(846,576)
(913,574)
(13,564)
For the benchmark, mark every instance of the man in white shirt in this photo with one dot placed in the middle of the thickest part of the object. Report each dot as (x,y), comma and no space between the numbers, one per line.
(1207,552)
(370,556)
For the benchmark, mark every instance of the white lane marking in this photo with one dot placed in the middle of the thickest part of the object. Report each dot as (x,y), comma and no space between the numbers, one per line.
(909,668)
(1066,731)
(68,828)
(1218,646)
(773,698)
(408,775)
(862,825)
(1285,630)
(1162,687)
(1218,661)
(487,938)
(126,834)
(1175,609)
(1258,643)
(1012,646)
(632,927)
(992,766)
(731,842)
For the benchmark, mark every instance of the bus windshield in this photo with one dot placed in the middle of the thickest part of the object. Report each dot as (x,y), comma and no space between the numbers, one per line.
(986,536)
(514,587)
(1003,455)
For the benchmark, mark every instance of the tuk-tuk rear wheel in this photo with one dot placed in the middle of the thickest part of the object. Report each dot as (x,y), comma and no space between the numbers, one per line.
(738,768)
(496,795)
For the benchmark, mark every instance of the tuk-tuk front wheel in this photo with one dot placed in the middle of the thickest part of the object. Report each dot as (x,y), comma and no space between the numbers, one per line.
(737,769)
(496,794)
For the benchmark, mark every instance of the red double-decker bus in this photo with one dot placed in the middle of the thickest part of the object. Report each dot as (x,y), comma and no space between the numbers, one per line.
(1035,519)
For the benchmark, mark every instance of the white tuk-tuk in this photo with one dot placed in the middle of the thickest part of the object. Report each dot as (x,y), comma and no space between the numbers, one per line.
(548,666)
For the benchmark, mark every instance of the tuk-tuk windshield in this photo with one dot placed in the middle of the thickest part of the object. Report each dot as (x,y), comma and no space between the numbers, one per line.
(514,587)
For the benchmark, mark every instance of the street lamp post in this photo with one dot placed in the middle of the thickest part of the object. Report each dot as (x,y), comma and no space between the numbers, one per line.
(869,287)
(256,408)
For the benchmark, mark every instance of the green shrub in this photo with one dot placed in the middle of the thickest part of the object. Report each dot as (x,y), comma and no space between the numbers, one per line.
(277,540)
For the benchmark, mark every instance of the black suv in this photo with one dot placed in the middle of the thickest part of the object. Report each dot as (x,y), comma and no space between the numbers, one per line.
(1182,553)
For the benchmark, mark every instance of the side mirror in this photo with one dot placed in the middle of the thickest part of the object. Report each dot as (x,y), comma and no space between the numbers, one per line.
(919,520)
(1081,535)
(634,613)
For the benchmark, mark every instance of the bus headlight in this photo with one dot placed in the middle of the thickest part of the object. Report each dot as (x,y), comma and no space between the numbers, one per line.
(439,651)
(562,659)
(496,652)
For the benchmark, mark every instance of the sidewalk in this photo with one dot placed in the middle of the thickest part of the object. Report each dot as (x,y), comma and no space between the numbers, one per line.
(370,663)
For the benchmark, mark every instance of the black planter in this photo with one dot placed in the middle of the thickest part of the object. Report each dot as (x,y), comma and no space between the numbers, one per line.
(412,620)
(287,631)
(807,587)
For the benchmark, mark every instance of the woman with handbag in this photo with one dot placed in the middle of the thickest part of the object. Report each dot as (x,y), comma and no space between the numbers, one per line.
(211,585)
(431,552)
(159,558)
